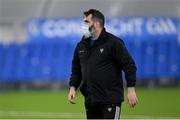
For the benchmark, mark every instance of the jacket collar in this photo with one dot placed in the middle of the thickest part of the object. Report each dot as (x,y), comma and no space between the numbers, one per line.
(101,39)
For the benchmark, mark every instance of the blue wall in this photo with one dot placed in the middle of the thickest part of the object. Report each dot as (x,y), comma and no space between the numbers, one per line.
(48,52)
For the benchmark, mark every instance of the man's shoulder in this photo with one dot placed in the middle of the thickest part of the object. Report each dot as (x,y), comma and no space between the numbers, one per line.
(80,43)
(114,39)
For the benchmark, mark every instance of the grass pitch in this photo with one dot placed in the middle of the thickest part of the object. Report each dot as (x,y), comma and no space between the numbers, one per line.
(153,103)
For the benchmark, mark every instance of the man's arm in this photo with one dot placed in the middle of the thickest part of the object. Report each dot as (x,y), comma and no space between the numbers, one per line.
(75,78)
(129,67)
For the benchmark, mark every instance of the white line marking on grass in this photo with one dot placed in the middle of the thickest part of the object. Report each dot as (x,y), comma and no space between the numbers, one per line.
(41,114)
(134,117)
(22,114)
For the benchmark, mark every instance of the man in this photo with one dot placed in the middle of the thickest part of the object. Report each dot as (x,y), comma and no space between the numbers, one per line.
(98,61)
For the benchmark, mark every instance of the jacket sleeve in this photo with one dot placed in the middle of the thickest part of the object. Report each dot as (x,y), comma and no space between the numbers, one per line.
(125,60)
(76,76)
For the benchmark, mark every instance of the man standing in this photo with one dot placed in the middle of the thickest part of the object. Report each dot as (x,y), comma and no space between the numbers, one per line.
(98,62)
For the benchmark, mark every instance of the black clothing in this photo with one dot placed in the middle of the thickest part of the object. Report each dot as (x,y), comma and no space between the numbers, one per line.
(98,68)
(110,111)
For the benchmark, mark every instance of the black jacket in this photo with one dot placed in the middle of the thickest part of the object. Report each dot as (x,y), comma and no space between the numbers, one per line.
(97,69)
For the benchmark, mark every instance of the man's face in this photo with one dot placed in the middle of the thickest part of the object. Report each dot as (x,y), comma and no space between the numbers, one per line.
(92,24)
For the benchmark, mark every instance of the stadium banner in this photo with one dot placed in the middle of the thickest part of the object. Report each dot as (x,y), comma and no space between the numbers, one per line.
(129,28)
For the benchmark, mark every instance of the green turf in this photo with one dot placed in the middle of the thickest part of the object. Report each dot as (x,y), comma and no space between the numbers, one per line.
(153,103)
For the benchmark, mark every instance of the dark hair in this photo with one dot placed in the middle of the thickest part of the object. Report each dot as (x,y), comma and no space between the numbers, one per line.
(96,15)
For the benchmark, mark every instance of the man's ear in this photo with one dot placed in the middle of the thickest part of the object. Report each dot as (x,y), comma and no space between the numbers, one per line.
(97,24)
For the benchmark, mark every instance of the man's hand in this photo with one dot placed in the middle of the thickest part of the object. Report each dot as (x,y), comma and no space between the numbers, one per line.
(72,95)
(132,99)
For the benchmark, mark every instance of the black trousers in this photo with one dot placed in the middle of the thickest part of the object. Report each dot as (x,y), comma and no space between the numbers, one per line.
(110,111)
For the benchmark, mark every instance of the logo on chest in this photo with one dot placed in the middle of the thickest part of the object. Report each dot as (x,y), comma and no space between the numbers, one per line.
(81,51)
(101,50)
